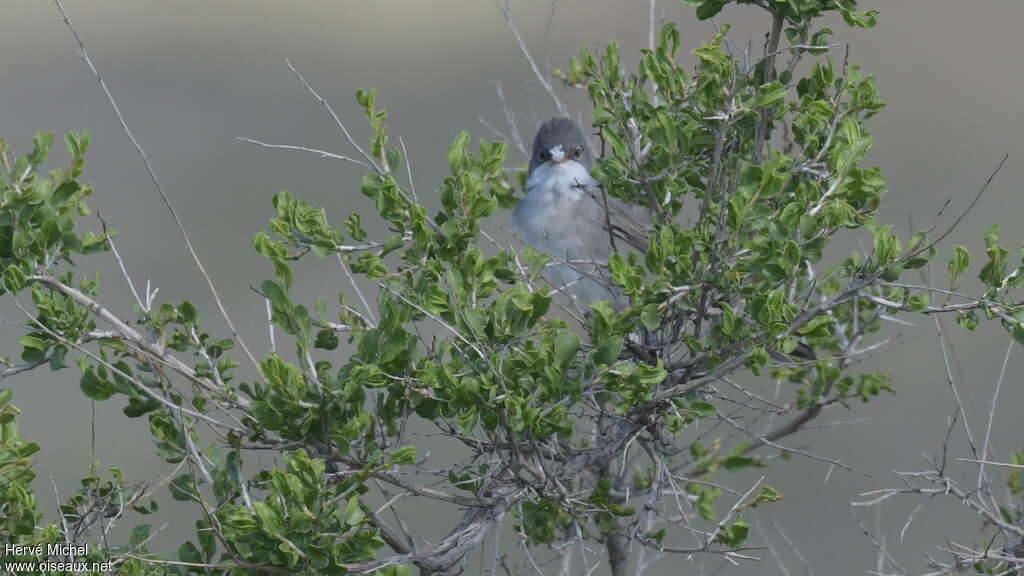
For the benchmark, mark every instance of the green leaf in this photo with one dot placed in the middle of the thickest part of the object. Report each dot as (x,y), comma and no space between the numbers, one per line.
(95,387)
(34,348)
(139,406)
(994,271)
(188,552)
(404,455)
(1015,325)
(187,313)
(709,8)
(457,152)
(820,327)
(326,339)
(960,262)
(733,535)
(14,278)
(651,317)
(57,357)
(140,534)
(607,352)
(768,494)
(967,320)
(354,514)
(182,488)
(43,140)
(567,344)
(706,497)
(738,462)
(770,94)
(701,409)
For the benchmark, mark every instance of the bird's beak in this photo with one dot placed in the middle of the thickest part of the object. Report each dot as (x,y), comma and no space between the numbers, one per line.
(557,154)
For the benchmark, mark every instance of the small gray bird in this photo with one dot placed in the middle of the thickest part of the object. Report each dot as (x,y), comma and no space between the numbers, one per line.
(566,215)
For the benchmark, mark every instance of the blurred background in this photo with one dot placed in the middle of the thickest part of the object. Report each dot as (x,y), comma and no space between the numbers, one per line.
(191,76)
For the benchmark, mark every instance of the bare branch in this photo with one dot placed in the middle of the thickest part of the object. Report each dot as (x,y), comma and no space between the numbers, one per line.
(506,13)
(769,75)
(337,120)
(135,381)
(318,152)
(992,413)
(159,188)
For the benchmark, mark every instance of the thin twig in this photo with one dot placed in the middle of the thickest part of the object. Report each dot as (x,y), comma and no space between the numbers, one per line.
(510,119)
(506,13)
(270,325)
(142,387)
(359,292)
(337,120)
(792,546)
(992,412)
(120,263)
(952,384)
(778,19)
(991,463)
(317,151)
(408,169)
(158,186)
(966,211)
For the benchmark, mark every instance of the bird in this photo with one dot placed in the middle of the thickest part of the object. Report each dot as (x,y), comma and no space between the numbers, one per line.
(566,215)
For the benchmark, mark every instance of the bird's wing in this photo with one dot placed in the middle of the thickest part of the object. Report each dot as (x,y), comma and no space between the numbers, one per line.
(630,223)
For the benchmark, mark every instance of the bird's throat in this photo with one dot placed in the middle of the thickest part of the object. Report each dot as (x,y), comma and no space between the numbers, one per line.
(565,181)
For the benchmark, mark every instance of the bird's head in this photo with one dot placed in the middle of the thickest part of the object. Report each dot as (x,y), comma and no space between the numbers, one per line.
(558,141)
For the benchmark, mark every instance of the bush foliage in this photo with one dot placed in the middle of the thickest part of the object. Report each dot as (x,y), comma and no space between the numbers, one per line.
(571,425)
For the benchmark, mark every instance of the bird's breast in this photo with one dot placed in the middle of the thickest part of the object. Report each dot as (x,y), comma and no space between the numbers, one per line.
(560,218)
(553,196)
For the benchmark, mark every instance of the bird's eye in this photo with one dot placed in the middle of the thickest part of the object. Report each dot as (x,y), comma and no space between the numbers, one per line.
(543,155)
(577,152)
